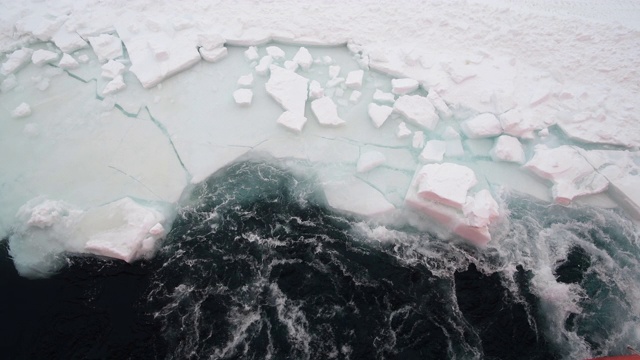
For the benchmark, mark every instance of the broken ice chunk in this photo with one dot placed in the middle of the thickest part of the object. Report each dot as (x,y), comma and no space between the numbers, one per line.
(381,96)
(334,71)
(446,183)
(335,82)
(570,172)
(210,41)
(22,110)
(354,79)
(15,60)
(68,62)
(315,90)
(158,48)
(213,55)
(114,85)
(243,97)
(481,209)
(112,69)
(106,47)
(355,96)
(41,57)
(303,58)
(482,126)
(403,86)
(275,52)
(292,121)
(433,151)
(438,103)
(508,148)
(379,114)
(403,131)
(516,122)
(245,80)
(68,41)
(83,58)
(370,160)
(291,65)
(418,140)
(288,89)
(263,66)
(417,109)
(251,53)
(326,112)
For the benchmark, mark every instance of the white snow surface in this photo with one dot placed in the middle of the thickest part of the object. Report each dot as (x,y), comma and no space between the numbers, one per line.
(542,73)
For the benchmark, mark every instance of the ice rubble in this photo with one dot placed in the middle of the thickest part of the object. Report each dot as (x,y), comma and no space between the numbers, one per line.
(139,133)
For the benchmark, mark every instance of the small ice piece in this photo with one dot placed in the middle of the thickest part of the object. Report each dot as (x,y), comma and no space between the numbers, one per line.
(292,121)
(83,58)
(41,57)
(481,209)
(15,60)
(354,79)
(379,114)
(68,62)
(403,131)
(334,71)
(508,148)
(449,134)
(288,89)
(210,41)
(303,58)
(327,60)
(326,112)
(418,140)
(446,183)
(315,90)
(22,110)
(157,230)
(403,86)
(245,80)
(8,83)
(381,96)
(251,53)
(439,104)
(213,55)
(355,96)
(275,52)
(291,65)
(543,133)
(419,110)
(106,47)
(482,126)
(433,151)
(243,97)
(570,172)
(114,85)
(263,66)
(112,69)
(370,160)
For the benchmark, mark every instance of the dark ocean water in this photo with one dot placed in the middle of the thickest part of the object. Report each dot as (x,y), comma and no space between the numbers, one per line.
(257,267)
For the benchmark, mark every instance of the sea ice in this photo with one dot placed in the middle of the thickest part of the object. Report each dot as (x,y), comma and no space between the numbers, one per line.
(326,112)
(433,151)
(106,47)
(288,89)
(112,69)
(446,183)
(481,126)
(370,160)
(303,58)
(418,110)
(354,79)
(508,148)
(404,86)
(379,113)
(68,62)
(23,110)
(41,57)
(243,97)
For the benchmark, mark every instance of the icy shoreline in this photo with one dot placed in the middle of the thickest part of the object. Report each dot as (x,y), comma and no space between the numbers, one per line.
(468,88)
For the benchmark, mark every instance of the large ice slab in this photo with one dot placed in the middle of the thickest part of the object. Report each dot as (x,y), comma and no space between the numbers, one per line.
(571,173)
(288,89)
(357,197)
(446,183)
(418,110)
